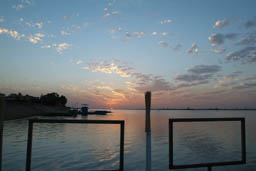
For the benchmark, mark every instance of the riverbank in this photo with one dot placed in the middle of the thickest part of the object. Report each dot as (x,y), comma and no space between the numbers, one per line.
(20,110)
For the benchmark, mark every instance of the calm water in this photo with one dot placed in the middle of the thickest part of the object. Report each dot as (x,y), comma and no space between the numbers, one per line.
(81,146)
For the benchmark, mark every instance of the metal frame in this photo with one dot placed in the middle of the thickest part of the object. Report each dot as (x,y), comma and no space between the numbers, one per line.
(30,135)
(209,165)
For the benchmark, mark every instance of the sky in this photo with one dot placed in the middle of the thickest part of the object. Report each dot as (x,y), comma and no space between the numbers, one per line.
(108,53)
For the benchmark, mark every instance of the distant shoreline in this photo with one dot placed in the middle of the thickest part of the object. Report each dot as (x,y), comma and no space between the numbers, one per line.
(21,110)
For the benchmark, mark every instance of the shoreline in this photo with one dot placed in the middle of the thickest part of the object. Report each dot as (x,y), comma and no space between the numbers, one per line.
(15,111)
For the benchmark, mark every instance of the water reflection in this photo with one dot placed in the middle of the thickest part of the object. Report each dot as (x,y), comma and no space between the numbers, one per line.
(81,147)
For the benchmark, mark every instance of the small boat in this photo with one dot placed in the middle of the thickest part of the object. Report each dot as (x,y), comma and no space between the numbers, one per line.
(99,112)
(85,111)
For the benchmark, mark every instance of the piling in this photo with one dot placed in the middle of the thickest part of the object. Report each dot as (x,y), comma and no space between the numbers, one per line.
(148,131)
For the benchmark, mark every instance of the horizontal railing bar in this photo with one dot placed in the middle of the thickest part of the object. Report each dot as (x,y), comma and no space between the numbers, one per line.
(206,165)
(204,119)
(76,121)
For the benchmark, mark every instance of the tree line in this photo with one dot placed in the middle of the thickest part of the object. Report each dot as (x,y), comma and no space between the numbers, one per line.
(50,99)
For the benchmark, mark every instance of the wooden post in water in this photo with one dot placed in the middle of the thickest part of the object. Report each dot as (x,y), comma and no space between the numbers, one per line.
(148,104)
(148,130)
(2,107)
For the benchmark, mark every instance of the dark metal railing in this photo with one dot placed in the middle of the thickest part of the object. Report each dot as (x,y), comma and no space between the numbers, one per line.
(30,135)
(208,165)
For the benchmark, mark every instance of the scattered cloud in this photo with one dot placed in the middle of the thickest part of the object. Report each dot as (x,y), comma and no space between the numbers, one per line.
(163,43)
(1,19)
(38,25)
(177,47)
(164,33)
(79,62)
(106,15)
(155,84)
(204,69)
(109,68)
(250,23)
(46,46)
(193,49)
(118,29)
(221,23)
(61,47)
(245,86)
(139,34)
(218,39)
(245,55)
(219,51)
(64,33)
(154,33)
(14,34)
(198,73)
(115,12)
(128,36)
(166,21)
(249,39)
(23,4)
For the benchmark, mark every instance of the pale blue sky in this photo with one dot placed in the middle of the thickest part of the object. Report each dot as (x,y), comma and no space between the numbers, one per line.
(198,53)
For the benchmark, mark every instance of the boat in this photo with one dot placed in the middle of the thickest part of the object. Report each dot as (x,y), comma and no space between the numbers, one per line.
(85,111)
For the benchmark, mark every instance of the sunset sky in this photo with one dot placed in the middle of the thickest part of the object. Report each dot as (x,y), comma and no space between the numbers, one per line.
(107,53)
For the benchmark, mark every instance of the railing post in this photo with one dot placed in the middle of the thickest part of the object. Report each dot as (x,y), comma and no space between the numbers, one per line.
(29,145)
(2,108)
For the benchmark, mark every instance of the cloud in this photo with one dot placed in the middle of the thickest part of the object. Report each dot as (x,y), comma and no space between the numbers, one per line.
(218,39)
(166,21)
(118,29)
(18,6)
(221,23)
(64,33)
(245,55)
(189,85)
(219,51)
(156,84)
(1,19)
(203,69)
(245,86)
(163,43)
(177,47)
(24,3)
(249,39)
(128,36)
(14,34)
(228,80)
(61,47)
(46,46)
(193,49)
(37,37)
(154,33)
(79,62)
(115,12)
(139,34)
(106,15)
(109,68)
(38,25)
(164,33)
(198,73)
(250,23)
(192,77)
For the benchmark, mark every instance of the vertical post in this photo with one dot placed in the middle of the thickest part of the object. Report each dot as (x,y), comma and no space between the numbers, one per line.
(170,143)
(148,131)
(29,145)
(2,107)
(243,140)
(209,168)
(148,104)
(122,146)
